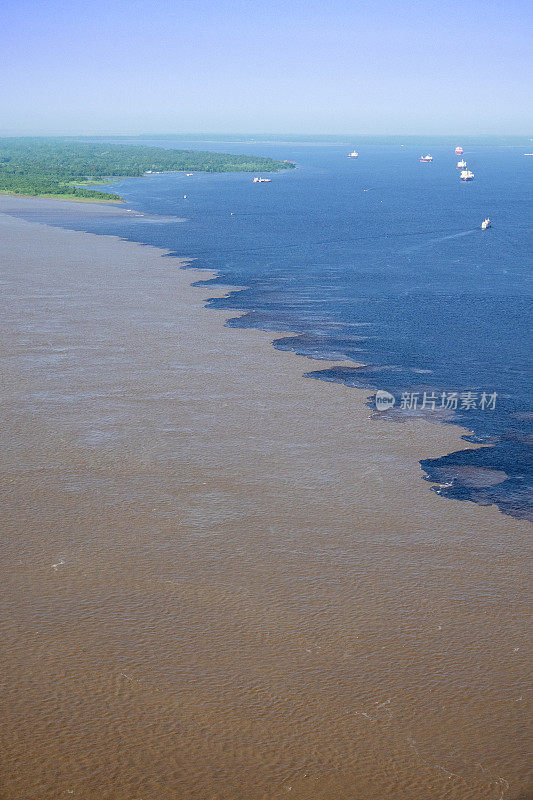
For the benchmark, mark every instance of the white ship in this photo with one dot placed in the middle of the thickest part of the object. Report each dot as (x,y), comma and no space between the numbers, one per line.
(486,224)
(353,154)
(426,159)
(461,164)
(466,175)
(261,180)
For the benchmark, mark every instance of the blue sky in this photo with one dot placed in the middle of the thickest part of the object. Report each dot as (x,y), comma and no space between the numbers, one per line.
(95,66)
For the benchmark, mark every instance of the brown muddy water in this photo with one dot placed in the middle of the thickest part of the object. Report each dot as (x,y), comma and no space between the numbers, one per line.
(222,580)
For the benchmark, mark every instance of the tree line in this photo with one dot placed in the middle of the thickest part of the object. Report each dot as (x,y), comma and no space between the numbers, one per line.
(38,166)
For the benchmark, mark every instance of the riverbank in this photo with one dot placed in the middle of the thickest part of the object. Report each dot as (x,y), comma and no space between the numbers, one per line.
(224,579)
(50,167)
(68,198)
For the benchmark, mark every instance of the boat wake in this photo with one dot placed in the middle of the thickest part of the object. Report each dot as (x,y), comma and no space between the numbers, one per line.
(441,239)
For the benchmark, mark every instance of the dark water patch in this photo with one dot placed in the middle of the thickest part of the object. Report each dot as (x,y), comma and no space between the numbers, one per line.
(478,475)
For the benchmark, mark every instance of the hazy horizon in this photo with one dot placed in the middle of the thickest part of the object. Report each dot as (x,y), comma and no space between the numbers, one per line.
(290,136)
(117,67)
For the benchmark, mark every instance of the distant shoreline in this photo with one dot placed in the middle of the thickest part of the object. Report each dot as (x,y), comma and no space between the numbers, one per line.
(46,167)
(72,198)
(66,197)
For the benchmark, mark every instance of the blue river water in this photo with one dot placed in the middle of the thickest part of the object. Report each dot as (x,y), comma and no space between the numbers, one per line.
(379,260)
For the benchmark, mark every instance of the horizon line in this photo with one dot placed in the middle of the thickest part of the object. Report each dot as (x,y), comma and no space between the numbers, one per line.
(236,134)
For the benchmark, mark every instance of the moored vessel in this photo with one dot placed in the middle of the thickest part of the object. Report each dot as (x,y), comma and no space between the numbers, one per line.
(261,180)
(466,175)
(461,164)
(459,151)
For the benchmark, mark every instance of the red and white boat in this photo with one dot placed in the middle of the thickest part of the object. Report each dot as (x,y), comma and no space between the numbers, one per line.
(459,151)
(426,159)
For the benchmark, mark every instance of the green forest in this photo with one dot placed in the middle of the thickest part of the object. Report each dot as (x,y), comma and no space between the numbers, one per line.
(54,167)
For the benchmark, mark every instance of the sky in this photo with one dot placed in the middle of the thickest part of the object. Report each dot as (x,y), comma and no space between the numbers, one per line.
(291,66)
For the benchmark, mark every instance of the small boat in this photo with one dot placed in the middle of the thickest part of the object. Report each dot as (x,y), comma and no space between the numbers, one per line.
(461,164)
(353,154)
(466,175)
(426,159)
(261,180)
(188,174)
(184,196)
(459,151)
(486,224)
